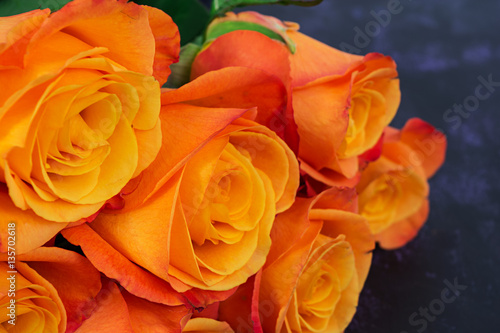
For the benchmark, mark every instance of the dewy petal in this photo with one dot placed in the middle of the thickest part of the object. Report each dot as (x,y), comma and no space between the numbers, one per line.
(87,19)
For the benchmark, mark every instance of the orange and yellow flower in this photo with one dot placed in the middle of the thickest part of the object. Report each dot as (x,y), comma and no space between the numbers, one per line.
(313,276)
(206,205)
(341,102)
(79,108)
(44,300)
(393,190)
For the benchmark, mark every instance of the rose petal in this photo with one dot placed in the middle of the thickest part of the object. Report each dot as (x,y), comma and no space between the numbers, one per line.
(111,314)
(59,266)
(109,261)
(167,43)
(32,231)
(401,232)
(15,34)
(87,19)
(190,125)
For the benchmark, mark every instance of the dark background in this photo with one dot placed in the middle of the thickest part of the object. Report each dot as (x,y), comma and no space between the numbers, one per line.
(441,48)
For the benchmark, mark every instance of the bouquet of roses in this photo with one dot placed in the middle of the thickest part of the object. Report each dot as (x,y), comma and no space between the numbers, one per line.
(236,184)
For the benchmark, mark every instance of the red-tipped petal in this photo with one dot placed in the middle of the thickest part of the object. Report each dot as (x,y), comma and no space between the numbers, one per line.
(167,43)
(428,142)
(114,265)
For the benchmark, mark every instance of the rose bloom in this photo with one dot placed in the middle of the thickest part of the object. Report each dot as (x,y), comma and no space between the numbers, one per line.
(393,190)
(315,271)
(79,108)
(206,205)
(341,102)
(45,301)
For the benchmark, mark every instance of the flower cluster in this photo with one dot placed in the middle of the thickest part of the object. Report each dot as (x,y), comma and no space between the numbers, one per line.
(248,199)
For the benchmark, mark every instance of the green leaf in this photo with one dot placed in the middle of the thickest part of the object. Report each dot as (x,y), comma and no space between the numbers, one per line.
(219,7)
(181,71)
(190,15)
(14,7)
(219,29)
(222,28)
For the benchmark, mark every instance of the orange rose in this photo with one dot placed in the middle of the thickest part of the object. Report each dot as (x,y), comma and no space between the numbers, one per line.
(206,204)
(119,311)
(44,300)
(79,108)
(341,102)
(317,266)
(393,190)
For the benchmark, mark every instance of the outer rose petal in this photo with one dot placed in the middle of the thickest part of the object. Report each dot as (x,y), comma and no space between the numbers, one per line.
(87,19)
(206,325)
(111,314)
(32,231)
(167,41)
(152,317)
(305,70)
(321,113)
(38,306)
(237,87)
(119,311)
(241,310)
(59,266)
(231,50)
(193,126)
(298,248)
(336,206)
(15,34)
(133,278)
(401,232)
(425,140)
(50,269)
(394,189)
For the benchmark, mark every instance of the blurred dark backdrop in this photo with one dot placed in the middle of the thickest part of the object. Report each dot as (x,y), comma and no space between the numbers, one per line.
(442,48)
